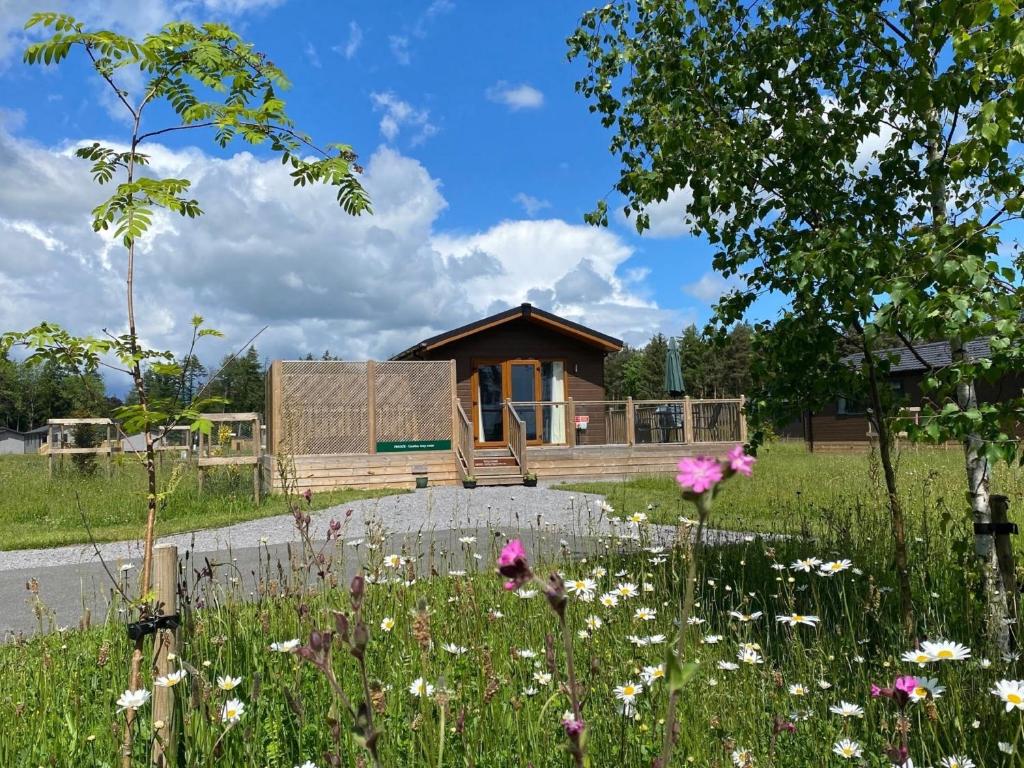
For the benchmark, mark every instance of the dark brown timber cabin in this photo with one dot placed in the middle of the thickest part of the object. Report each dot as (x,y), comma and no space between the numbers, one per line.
(525,355)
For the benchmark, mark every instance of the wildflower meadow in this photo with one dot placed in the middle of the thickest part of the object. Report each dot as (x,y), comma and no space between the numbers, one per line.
(635,645)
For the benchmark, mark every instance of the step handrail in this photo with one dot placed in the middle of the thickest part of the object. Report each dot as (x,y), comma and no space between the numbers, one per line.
(464,443)
(516,436)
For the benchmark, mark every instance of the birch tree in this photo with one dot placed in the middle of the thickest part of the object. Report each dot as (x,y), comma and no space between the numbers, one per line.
(859,158)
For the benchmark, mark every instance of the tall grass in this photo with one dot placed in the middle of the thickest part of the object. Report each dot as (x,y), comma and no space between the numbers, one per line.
(493,705)
(37,511)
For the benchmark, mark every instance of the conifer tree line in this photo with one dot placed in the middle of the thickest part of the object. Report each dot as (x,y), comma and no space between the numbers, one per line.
(713,365)
(32,394)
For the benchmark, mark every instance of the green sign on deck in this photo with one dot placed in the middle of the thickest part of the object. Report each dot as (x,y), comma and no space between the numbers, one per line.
(402,446)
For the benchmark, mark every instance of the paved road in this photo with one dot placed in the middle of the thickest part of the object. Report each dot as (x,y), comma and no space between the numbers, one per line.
(69,582)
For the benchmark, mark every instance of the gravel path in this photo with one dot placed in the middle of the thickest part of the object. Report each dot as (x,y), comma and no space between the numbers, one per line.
(433,509)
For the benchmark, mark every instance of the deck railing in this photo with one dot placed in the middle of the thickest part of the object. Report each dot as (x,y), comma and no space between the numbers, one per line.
(463,441)
(634,422)
(517,439)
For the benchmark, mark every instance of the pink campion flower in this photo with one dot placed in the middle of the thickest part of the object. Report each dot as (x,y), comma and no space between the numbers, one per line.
(906,684)
(512,563)
(511,552)
(698,474)
(739,461)
(875,691)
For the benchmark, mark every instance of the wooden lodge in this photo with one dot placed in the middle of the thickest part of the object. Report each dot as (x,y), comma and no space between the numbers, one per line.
(843,425)
(515,394)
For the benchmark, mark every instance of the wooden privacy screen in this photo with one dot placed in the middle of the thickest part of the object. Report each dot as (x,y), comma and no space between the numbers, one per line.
(317,407)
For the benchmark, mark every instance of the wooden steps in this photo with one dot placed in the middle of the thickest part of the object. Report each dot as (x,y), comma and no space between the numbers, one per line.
(496,466)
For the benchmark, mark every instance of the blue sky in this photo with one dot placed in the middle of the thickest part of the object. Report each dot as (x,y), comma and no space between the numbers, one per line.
(480,157)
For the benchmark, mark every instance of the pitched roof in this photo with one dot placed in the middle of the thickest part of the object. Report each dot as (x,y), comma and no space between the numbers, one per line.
(524,311)
(935,353)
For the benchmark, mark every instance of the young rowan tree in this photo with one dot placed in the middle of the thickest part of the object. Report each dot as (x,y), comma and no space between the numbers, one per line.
(194,78)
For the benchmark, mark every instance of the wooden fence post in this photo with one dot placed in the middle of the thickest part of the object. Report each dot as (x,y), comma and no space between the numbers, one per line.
(570,423)
(257,468)
(371,406)
(743,419)
(453,385)
(630,422)
(165,584)
(687,420)
(110,448)
(49,445)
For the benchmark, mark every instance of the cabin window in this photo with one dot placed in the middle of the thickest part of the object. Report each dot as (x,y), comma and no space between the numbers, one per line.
(847,407)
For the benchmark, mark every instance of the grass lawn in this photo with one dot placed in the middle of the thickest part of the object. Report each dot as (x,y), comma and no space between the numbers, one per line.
(795,491)
(38,512)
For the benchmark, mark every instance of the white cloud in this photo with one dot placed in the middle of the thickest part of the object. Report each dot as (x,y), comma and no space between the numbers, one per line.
(268,253)
(399,114)
(312,56)
(399,45)
(711,286)
(351,46)
(532,205)
(668,217)
(515,97)
(129,17)
(569,269)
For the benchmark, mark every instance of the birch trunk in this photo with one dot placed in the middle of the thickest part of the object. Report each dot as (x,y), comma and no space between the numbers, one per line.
(978,476)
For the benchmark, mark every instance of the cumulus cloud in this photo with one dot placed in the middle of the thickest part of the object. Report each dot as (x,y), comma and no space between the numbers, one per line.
(399,114)
(351,46)
(668,217)
(515,97)
(125,16)
(569,269)
(531,205)
(267,253)
(710,287)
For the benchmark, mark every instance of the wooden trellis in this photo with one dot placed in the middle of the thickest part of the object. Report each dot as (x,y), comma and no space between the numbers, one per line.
(234,449)
(325,407)
(58,444)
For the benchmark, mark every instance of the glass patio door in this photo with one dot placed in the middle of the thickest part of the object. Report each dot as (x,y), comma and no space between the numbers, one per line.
(498,381)
(524,376)
(490,404)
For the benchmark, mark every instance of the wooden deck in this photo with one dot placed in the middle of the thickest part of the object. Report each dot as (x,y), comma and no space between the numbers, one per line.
(550,463)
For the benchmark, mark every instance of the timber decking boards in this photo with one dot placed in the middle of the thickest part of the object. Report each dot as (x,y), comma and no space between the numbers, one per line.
(491,466)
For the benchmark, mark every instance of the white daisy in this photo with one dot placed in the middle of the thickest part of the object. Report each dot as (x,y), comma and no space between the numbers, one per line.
(172,679)
(793,619)
(645,614)
(132,699)
(455,650)
(228,683)
(833,567)
(943,650)
(652,673)
(232,711)
(806,565)
(847,748)
(627,692)
(387,624)
(420,688)
(286,646)
(584,589)
(846,709)
(1011,692)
